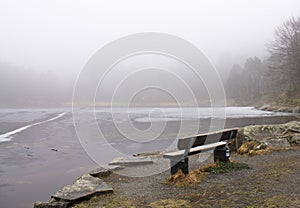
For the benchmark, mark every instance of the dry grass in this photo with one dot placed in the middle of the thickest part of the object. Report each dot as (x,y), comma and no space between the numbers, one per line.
(253,148)
(260,152)
(206,167)
(196,176)
(282,201)
(247,147)
(171,203)
(180,179)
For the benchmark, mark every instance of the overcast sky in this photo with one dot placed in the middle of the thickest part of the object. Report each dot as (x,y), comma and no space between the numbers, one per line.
(61,35)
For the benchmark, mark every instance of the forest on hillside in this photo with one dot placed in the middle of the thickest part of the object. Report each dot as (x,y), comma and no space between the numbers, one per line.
(273,80)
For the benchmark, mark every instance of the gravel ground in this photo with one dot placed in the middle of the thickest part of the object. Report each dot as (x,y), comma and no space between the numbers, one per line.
(272,181)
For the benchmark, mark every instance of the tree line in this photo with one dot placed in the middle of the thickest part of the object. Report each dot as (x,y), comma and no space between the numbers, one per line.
(21,87)
(275,79)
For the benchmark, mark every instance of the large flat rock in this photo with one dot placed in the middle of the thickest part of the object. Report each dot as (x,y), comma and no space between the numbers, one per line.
(131,161)
(83,187)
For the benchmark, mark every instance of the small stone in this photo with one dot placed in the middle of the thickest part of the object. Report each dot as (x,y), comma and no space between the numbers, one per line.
(296,109)
(262,145)
(100,172)
(264,107)
(115,167)
(294,139)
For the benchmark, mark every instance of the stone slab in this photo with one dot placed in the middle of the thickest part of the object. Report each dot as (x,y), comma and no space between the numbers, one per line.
(131,161)
(84,187)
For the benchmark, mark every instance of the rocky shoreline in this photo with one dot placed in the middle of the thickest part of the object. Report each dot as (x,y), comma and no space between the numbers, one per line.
(251,140)
(259,137)
(280,108)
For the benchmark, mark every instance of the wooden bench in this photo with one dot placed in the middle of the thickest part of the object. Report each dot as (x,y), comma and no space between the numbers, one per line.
(217,141)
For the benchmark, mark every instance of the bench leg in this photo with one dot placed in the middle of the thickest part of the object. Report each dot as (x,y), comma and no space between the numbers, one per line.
(221,154)
(182,165)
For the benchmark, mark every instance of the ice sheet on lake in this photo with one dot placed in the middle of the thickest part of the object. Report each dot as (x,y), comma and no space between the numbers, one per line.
(8,136)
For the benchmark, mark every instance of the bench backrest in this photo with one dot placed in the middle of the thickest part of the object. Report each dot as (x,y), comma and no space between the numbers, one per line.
(208,138)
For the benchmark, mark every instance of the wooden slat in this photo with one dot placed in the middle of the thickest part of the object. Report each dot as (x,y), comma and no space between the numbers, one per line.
(194,149)
(207,138)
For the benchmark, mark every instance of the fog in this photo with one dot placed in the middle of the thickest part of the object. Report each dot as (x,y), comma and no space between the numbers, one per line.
(45,44)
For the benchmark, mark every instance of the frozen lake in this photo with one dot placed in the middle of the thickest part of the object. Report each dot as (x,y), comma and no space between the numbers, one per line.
(31,169)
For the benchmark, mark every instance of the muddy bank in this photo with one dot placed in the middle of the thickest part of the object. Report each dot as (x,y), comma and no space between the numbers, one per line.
(272,181)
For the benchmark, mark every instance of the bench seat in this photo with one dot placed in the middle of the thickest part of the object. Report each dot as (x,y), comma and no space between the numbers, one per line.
(193,150)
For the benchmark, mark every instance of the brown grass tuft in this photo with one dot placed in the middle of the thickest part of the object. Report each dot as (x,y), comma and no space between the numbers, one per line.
(180,179)
(260,152)
(196,176)
(253,148)
(247,147)
(206,167)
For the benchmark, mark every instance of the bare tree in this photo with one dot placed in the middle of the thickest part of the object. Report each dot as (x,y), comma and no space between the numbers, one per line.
(285,51)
